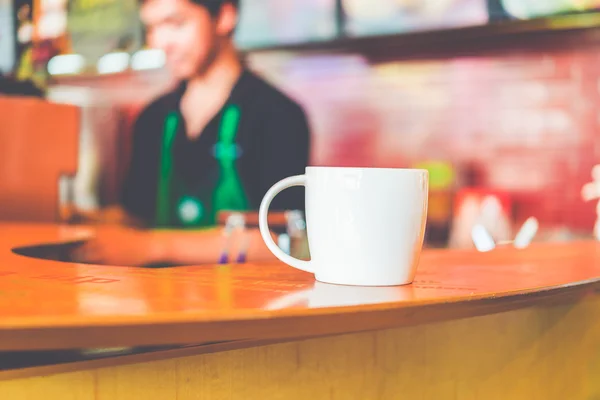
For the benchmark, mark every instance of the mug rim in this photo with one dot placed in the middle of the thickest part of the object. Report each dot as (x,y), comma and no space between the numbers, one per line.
(416,170)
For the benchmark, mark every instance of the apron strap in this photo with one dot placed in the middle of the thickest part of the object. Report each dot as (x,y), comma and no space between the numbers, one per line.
(163,206)
(229,193)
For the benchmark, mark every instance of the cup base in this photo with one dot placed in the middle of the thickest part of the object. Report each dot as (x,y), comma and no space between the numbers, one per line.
(345,282)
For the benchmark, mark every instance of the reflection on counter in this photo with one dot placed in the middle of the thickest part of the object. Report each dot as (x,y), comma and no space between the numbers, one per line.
(325,295)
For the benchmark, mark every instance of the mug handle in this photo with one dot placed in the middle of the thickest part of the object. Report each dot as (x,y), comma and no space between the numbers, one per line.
(299,180)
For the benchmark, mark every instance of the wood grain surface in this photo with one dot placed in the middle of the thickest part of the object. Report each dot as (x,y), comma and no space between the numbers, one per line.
(546,352)
(55,305)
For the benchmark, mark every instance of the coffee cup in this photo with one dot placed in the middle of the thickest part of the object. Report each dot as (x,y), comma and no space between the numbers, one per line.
(365,226)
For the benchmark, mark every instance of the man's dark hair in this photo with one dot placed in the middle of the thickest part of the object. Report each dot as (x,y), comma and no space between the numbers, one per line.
(214,6)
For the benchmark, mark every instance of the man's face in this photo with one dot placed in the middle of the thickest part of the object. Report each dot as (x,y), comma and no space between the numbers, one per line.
(185,31)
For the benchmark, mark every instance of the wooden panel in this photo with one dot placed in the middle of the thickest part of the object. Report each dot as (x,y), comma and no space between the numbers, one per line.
(538,353)
(52,305)
(38,143)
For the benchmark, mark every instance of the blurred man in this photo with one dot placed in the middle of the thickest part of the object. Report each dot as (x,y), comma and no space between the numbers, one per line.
(219,141)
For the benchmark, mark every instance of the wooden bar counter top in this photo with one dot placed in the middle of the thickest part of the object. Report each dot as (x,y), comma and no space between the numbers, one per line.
(505,324)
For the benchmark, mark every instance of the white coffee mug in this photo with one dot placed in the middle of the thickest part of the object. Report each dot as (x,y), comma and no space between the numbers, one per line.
(365,225)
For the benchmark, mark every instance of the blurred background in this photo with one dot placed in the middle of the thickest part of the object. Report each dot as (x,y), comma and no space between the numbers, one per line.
(499,99)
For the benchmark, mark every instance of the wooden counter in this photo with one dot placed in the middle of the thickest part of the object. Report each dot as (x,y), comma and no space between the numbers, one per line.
(508,324)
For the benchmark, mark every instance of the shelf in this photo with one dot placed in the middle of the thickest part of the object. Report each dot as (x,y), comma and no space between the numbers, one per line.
(565,30)
(553,33)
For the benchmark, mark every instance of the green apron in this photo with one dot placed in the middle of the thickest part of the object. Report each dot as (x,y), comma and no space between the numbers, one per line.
(178,205)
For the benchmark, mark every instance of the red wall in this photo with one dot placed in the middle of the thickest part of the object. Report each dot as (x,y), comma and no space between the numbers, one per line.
(528,120)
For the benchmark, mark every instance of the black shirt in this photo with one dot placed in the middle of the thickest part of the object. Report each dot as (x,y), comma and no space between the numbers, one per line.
(272,138)
(12,87)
